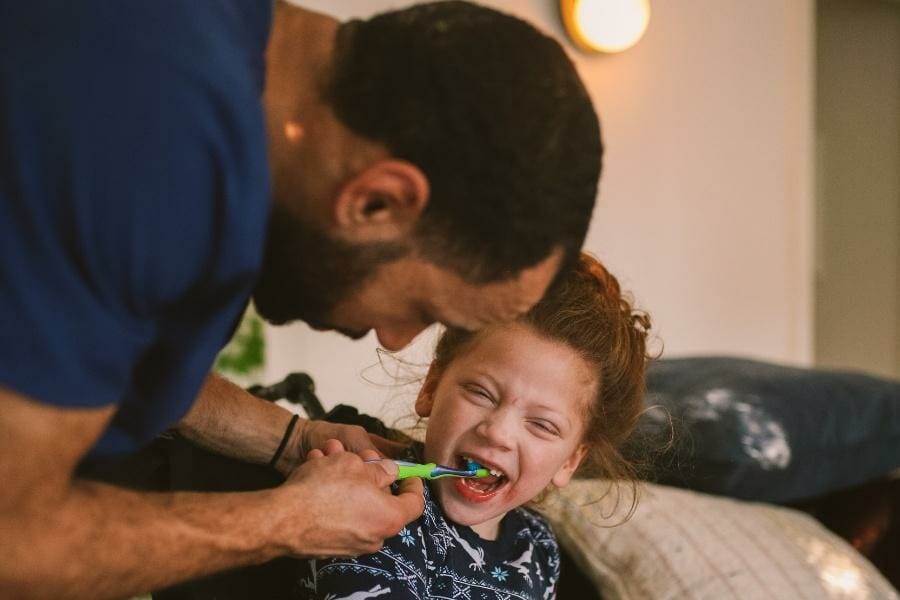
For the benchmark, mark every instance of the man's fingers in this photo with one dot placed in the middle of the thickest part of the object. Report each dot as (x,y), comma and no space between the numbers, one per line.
(410,496)
(387,447)
(369,455)
(332,447)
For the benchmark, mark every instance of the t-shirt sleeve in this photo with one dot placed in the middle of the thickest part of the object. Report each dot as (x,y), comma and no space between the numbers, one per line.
(113,196)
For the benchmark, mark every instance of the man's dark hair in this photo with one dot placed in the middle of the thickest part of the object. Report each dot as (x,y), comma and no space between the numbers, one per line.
(493,112)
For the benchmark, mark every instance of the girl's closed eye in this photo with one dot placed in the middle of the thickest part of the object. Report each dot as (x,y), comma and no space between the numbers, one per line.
(545,428)
(479,394)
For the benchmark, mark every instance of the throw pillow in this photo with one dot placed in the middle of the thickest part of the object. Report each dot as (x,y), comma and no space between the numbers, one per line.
(687,545)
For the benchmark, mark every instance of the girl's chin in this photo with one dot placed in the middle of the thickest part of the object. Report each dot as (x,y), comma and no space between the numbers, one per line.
(468,515)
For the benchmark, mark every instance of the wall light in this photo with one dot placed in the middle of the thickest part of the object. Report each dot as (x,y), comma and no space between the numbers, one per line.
(605,25)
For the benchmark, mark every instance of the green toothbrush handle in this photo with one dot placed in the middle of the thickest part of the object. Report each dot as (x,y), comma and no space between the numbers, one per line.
(414,470)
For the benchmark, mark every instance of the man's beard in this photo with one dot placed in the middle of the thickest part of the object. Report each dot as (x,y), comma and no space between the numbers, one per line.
(305,273)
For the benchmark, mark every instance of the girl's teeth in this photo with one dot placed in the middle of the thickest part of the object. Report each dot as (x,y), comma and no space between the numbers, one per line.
(470,461)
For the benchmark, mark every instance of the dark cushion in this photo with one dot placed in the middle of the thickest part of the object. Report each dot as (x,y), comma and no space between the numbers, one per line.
(759,431)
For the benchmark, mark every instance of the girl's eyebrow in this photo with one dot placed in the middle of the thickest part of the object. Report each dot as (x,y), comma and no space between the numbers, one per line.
(493,380)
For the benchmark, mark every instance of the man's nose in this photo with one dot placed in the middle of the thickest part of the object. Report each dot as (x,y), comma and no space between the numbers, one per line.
(397,338)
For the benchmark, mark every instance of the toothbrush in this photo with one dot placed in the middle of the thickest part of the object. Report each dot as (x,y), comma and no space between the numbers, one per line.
(435,471)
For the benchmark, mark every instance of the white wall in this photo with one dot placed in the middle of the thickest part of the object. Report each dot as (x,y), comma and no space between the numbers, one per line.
(706,201)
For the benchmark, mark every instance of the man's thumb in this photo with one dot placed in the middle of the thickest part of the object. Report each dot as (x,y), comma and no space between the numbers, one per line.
(386,471)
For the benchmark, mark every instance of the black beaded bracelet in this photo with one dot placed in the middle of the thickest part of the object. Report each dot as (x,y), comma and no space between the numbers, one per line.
(284,440)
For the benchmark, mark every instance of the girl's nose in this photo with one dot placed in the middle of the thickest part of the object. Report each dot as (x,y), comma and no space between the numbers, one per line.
(497,429)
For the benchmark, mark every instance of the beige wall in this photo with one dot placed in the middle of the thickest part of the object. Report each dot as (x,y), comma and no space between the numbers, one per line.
(858,128)
(705,209)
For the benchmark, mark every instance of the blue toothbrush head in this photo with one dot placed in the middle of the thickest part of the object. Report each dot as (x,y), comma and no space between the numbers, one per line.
(472,469)
(471,465)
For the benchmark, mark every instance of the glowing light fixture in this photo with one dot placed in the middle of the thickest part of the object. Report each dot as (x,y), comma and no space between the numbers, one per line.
(605,25)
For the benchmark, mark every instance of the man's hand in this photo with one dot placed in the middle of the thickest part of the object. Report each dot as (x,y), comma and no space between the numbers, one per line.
(335,504)
(314,434)
(65,537)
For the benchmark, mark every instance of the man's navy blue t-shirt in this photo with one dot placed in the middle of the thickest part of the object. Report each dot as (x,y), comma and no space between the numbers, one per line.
(134,197)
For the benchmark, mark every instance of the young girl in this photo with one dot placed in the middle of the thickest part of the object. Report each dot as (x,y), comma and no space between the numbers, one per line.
(528,400)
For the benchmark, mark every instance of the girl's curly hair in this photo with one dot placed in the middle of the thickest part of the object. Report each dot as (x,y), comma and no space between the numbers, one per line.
(587,311)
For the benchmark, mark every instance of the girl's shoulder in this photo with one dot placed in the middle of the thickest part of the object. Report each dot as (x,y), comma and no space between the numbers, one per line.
(541,555)
(534,524)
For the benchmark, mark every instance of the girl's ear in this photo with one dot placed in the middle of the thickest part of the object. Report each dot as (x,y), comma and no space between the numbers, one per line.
(425,399)
(562,477)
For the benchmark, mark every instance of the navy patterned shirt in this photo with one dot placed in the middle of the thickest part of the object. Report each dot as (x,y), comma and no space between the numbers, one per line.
(435,558)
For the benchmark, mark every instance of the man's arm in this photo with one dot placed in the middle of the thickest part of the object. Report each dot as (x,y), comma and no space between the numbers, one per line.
(78,539)
(227,419)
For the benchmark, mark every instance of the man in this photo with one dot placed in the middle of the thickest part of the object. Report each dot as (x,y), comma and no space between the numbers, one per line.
(432,164)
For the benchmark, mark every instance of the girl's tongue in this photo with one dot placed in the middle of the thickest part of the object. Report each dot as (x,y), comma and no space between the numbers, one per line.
(483,484)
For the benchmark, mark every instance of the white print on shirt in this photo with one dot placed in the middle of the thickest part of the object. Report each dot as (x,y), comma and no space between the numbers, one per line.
(519,563)
(372,593)
(476,554)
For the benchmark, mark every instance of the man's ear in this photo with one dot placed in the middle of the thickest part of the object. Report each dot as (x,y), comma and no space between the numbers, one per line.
(562,477)
(382,203)
(425,399)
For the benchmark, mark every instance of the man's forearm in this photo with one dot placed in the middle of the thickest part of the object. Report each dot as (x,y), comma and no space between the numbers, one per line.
(120,542)
(229,420)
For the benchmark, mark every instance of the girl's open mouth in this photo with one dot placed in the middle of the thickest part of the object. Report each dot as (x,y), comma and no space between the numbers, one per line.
(479,489)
